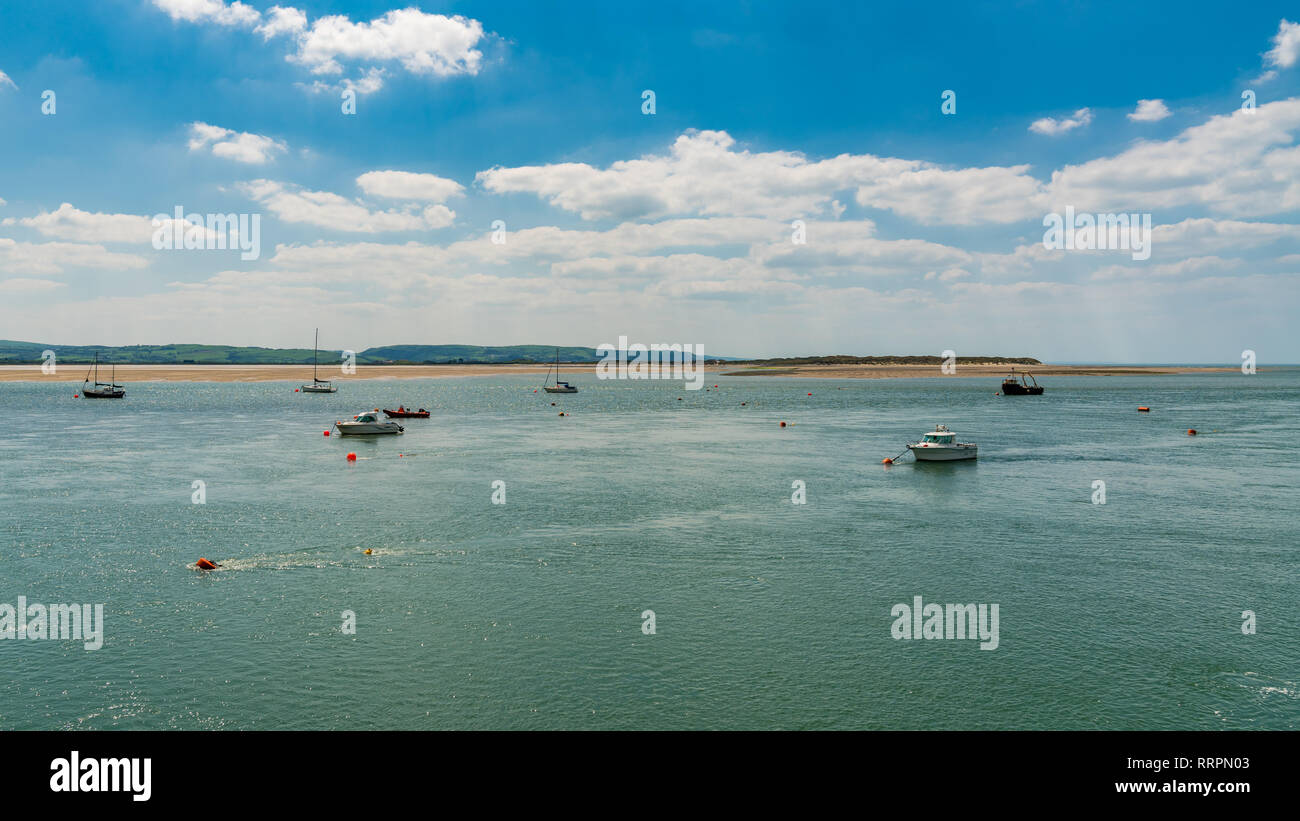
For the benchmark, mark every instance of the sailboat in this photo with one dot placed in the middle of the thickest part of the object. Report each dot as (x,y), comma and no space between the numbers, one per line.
(102,390)
(318,385)
(558,387)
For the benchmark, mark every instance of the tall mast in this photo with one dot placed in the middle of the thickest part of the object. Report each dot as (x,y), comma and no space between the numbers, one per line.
(315,346)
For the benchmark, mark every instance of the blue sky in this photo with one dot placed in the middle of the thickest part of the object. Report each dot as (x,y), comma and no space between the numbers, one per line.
(924,230)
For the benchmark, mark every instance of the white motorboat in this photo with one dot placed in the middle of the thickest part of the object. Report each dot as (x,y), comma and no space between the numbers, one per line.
(369,422)
(941,445)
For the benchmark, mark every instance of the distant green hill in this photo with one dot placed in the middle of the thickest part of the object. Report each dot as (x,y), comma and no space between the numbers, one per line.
(15,353)
(844,359)
(31,352)
(455,354)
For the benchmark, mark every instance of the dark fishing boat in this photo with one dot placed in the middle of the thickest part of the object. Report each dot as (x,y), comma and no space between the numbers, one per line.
(403,413)
(1020,385)
(102,390)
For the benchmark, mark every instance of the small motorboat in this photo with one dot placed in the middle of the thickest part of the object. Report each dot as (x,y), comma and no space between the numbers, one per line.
(1021,385)
(403,413)
(941,445)
(369,422)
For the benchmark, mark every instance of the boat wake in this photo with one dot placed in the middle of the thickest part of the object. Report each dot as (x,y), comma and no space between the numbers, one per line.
(1265,686)
(353,557)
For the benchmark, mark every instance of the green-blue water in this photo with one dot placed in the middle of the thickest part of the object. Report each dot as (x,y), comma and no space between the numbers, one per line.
(768,614)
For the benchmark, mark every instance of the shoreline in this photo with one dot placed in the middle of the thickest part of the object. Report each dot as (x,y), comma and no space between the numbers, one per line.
(295,373)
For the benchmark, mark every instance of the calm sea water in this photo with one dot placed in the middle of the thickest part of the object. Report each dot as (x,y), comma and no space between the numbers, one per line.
(768,614)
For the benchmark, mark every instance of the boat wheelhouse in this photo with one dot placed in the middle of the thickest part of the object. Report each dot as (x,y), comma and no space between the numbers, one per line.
(941,445)
(368,422)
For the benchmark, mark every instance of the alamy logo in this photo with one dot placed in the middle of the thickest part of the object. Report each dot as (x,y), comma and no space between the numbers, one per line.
(75,774)
(75,622)
(683,362)
(953,621)
(1099,232)
(213,232)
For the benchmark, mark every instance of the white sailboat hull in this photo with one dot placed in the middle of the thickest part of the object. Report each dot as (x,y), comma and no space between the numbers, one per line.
(319,389)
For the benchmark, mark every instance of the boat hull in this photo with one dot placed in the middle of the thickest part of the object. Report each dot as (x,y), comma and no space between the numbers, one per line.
(943,453)
(1012,389)
(561,390)
(103,394)
(316,389)
(368,429)
(392,414)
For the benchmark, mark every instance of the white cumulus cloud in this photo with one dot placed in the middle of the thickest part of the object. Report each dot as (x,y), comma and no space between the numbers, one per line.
(282,20)
(338,213)
(1149,111)
(210,11)
(1286,46)
(706,174)
(406,185)
(1052,127)
(252,149)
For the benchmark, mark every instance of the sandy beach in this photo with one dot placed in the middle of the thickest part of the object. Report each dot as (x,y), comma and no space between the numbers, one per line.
(915,371)
(296,373)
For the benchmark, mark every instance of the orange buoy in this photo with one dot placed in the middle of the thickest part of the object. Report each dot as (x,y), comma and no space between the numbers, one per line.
(326,433)
(1144,409)
(367,551)
(352,457)
(810,394)
(1191,431)
(76,396)
(204,564)
(886,461)
(561,413)
(295,390)
(782,424)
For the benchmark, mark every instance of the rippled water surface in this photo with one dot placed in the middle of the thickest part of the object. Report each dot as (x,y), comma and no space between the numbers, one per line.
(768,614)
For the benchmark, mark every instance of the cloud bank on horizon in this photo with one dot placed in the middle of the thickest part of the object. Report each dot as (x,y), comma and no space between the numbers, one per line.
(500,178)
